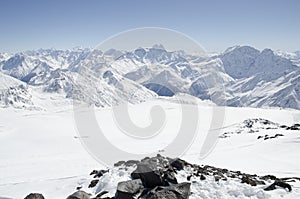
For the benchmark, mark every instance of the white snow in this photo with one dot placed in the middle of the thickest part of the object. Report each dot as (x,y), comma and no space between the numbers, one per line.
(242,75)
(41,151)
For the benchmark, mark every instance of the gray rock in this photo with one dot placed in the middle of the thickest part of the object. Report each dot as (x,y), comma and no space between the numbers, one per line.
(179,191)
(79,195)
(277,184)
(35,196)
(150,178)
(128,189)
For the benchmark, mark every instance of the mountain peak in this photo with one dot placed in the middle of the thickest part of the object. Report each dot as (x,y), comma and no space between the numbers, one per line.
(242,49)
(158,46)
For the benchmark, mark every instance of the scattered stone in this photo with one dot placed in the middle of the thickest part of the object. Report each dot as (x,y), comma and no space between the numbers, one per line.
(279,184)
(289,178)
(283,126)
(149,176)
(100,173)
(94,172)
(217,178)
(120,163)
(178,164)
(35,196)
(102,193)
(202,177)
(79,195)
(128,189)
(179,191)
(93,183)
(155,178)
(188,178)
(266,138)
(130,163)
(170,177)
(251,181)
(294,127)
(268,177)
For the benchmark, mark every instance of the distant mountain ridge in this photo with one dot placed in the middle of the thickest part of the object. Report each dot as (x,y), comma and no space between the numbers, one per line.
(240,76)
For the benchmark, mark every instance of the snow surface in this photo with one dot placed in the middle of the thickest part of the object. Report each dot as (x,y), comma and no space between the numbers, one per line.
(41,150)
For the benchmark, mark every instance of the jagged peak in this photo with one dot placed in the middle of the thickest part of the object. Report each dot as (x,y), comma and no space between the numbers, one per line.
(158,46)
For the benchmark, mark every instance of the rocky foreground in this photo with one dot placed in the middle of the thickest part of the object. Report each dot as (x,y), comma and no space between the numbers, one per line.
(163,177)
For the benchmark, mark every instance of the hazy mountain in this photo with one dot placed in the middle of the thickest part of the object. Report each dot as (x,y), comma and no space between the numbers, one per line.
(240,76)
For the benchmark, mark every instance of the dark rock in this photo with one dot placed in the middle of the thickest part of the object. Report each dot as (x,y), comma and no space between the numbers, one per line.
(202,177)
(119,163)
(188,178)
(279,184)
(179,191)
(100,173)
(248,180)
(128,189)
(35,196)
(150,177)
(102,193)
(131,163)
(283,126)
(79,195)
(178,164)
(217,178)
(294,127)
(93,183)
(268,177)
(289,178)
(170,177)
(145,159)
(224,171)
(94,172)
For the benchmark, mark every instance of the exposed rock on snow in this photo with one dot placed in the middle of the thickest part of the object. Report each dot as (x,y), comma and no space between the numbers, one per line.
(129,189)
(262,128)
(148,179)
(79,195)
(35,196)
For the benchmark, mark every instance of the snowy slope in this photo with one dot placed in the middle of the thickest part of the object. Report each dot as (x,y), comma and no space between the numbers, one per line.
(41,150)
(240,76)
(14,93)
(261,78)
(293,56)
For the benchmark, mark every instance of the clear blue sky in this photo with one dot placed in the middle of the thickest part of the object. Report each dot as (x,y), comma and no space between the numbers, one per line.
(62,24)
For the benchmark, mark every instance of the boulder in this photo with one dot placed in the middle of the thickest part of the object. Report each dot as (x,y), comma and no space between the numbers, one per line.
(169,176)
(35,196)
(248,180)
(178,164)
(93,183)
(79,195)
(149,176)
(178,191)
(102,193)
(202,177)
(129,189)
(277,184)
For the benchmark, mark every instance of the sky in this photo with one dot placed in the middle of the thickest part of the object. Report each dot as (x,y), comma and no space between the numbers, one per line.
(215,24)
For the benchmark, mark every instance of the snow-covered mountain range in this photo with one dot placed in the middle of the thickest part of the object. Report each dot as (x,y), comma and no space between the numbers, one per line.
(240,76)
